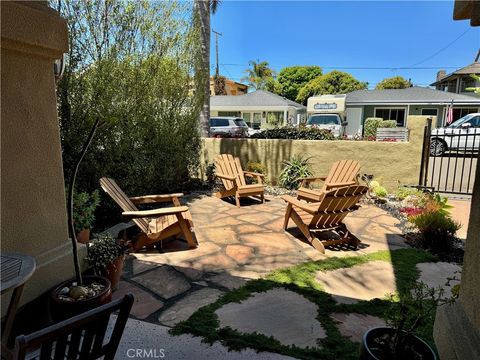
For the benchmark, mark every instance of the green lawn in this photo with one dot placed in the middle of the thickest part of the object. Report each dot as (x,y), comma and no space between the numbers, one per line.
(301,279)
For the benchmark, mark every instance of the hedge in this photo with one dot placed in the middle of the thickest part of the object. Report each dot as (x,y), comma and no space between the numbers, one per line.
(372,124)
(294,133)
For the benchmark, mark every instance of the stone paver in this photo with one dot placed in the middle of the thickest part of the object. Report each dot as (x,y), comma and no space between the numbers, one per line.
(164,281)
(144,303)
(153,340)
(237,244)
(185,307)
(374,279)
(355,325)
(240,253)
(282,314)
(228,281)
(435,275)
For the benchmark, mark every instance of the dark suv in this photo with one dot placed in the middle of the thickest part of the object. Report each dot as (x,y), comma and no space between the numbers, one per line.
(228,127)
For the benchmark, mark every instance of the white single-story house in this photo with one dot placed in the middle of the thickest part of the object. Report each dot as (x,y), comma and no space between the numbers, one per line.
(259,109)
(397,104)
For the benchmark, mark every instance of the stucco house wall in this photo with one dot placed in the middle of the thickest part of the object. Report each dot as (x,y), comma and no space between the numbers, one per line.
(33,209)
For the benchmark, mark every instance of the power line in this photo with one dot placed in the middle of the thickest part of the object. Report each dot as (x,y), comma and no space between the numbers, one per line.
(364,67)
(442,49)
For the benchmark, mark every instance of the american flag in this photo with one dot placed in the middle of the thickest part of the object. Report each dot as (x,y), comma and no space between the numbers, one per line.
(450,113)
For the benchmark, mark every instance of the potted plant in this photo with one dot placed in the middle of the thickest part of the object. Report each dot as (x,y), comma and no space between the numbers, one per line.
(106,256)
(85,205)
(404,319)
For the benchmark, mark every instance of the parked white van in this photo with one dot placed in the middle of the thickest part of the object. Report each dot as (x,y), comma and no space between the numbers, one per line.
(327,112)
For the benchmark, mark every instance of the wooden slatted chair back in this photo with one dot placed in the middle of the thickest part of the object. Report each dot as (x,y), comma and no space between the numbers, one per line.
(336,204)
(116,193)
(82,337)
(343,171)
(228,165)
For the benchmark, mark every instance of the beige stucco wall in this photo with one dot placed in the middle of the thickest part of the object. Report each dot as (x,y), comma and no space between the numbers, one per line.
(33,210)
(391,163)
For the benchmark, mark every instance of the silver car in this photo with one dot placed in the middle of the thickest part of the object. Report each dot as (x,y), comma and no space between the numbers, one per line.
(224,126)
(462,135)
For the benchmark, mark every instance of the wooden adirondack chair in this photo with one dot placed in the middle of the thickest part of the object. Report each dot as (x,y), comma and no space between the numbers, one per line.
(230,171)
(325,215)
(342,173)
(157,224)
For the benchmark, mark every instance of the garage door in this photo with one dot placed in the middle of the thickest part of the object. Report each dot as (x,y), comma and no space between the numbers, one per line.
(354,119)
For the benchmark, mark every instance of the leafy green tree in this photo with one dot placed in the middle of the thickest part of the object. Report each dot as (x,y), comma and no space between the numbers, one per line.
(260,76)
(396,82)
(292,78)
(334,82)
(129,74)
(476,90)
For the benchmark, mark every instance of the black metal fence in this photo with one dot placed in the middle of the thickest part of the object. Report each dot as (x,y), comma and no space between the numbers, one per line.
(449,159)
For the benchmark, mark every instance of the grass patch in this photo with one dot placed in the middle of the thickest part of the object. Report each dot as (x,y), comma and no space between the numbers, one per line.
(301,279)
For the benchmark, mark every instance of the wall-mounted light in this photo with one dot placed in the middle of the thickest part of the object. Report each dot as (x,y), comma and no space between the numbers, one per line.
(59,68)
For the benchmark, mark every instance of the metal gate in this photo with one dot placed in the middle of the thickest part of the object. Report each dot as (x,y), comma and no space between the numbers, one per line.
(449,158)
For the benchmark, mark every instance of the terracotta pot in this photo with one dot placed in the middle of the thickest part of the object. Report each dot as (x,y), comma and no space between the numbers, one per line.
(83,236)
(114,271)
(62,310)
(367,351)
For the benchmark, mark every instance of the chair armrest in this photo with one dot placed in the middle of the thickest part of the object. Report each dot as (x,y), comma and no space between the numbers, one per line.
(253,174)
(150,199)
(154,213)
(340,184)
(226,177)
(307,207)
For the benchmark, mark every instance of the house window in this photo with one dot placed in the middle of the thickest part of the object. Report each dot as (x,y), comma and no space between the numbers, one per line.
(397,114)
(466,82)
(229,113)
(429,112)
(452,86)
(461,112)
(275,118)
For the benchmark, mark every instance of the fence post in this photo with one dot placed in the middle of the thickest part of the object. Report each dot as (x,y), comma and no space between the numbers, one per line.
(422,180)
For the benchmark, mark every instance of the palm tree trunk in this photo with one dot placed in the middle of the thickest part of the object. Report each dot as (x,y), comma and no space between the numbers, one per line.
(203,16)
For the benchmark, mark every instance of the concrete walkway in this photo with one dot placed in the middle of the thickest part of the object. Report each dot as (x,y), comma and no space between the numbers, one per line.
(143,340)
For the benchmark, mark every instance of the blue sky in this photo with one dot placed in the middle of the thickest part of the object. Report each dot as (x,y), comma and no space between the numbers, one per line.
(348,34)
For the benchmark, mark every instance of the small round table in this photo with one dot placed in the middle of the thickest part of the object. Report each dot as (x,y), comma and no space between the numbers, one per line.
(15,270)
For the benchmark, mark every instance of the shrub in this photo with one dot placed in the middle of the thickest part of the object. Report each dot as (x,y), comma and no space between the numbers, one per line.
(403,192)
(294,169)
(257,167)
(102,251)
(437,230)
(210,172)
(84,206)
(388,124)
(372,124)
(380,191)
(294,133)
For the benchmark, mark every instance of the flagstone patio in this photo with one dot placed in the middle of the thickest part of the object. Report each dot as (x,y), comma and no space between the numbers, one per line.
(235,244)
(238,244)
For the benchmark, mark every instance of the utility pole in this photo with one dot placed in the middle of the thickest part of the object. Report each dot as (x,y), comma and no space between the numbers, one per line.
(216,50)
